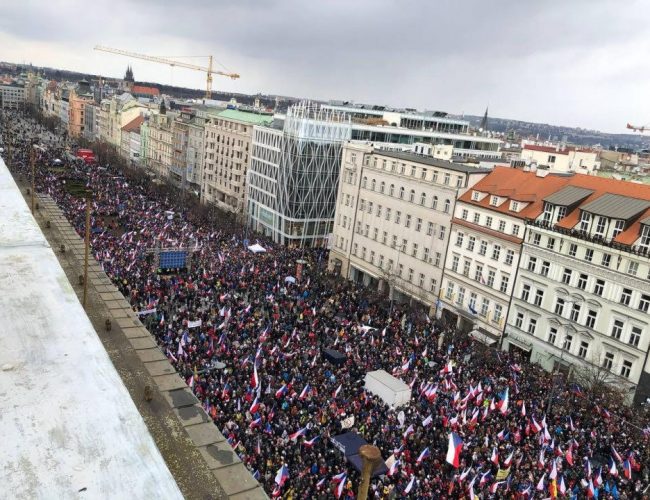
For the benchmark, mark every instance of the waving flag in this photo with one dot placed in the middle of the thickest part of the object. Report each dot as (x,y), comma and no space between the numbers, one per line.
(535,426)
(599,478)
(562,486)
(523,409)
(409,430)
(503,404)
(569,456)
(305,392)
(256,423)
(339,477)
(540,485)
(495,486)
(425,454)
(616,455)
(341,486)
(393,467)
(508,461)
(281,391)
(454,449)
(337,391)
(495,456)
(627,469)
(448,368)
(254,407)
(311,442)
(255,381)
(612,467)
(298,433)
(282,476)
(409,486)
(553,473)
(427,421)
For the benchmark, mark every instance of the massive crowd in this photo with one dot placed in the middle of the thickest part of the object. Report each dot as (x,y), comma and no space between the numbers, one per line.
(278,401)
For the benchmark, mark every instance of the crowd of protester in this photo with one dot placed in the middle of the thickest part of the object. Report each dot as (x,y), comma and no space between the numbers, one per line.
(278,401)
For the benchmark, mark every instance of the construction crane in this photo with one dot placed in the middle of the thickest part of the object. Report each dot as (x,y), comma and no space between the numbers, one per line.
(641,129)
(171,62)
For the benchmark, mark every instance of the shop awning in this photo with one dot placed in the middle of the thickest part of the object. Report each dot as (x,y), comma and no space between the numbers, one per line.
(482,337)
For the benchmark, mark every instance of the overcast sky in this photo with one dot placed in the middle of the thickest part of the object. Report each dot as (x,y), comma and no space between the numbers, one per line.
(570,62)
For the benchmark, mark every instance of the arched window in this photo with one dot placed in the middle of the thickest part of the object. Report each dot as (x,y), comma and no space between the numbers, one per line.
(447,206)
(382,187)
(412,195)
(372,185)
(391,190)
(423,199)
(434,205)
(364,182)
(401,193)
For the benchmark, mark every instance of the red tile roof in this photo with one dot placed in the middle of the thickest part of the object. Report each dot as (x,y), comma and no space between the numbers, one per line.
(141,89)
(134,125)
(519,185)
(548,149)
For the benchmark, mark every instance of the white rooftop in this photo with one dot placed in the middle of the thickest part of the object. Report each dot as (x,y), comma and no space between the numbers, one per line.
(67,422)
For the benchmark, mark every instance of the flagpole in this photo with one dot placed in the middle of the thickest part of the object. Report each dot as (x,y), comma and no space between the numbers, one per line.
(370,456)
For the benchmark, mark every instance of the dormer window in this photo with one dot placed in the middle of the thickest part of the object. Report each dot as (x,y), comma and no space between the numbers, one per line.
(514,206)
(585,217)
(645,237)
(619,225)
(600,226)
(476,196)
(494,201)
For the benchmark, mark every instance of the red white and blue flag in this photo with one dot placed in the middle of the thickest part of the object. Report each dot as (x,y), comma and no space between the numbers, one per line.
(281,391)
(311,442)
(425,454)
(454,449)
(255,380)
(255,406)
(298,433)
(409,486)
(282,476)
(305,392)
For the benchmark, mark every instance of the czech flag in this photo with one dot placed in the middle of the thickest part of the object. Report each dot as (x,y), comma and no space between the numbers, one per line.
(508,461)
(339,477)
(341,486)
(612,467)
(393,467)
(495,456)
(298,433)
(311,442)
(454,449)
(281,391)
(255,380)
(254,407)
(256,423)
(305,392)
(282,476)
(409,486)
(425,454)
(336,392)
(627,469)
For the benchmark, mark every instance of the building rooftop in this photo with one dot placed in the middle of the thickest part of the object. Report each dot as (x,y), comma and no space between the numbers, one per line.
(568,196)
(134,125)
(141,89)
(246,117)
(68,423)
(434,162)
(616,206)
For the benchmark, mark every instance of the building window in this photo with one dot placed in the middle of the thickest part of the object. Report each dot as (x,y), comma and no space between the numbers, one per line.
(584,221)
(384,237)
(548,210)
(645,237)
(418,225)
(515,230)
(566,276)
(464,214)
(434,176)
(590,322)
(442,233)
(446,179)
(466,265)
(375,232)
(606,260)
(436,262)
(364,182)
(582,351)
(600,226)
(573,250)
(434,203)
(546,265)
(401,193)
(429,228)
(532,325)
(421,281)
(608,361)
(574,315)
(472,302)
(589,254)
(459,239)
(477,218)
(550,243)
(455,260)
(532,263)
(470,243)
(461,296)
(432,285)
(510,255)
(496,252)
(485,306)
(449,293)
(599,287)
(423,173)
(635,336)
(525,293)
(398,216)
(379,208)
(423,199)
(502,226)
(410,276)
(391,190)
(408,221)
(373,184)
(447,206)
(414,252)
(644,303)
(394,245)
(504,283)
(382,187)
(537,238)
(559,306)
(494,201)
(626,296)
(626,368)
(514,206)
(482,250)
(426,252)
(539,297)
(552,335)
(619,225)
(632,267)
(488,221)
(582,281)
(568,341)
(491,278)
(617,329)
(478,273)
(370,207)
(498,312)
(519,320)
(476,196)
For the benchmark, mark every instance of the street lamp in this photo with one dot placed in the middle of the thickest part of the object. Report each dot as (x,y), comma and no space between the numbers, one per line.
(400,249)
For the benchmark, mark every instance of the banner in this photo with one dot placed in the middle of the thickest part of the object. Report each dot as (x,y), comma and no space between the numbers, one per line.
(502,474)
(348,422)
(194,324)
(146,311)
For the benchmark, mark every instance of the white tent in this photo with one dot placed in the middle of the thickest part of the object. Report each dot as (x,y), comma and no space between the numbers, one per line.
(257,248)
(391,390)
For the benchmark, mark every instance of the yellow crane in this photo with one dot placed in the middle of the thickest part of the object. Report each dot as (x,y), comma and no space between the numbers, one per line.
(171,62)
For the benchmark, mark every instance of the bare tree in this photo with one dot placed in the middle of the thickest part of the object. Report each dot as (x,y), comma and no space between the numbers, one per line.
(599,382)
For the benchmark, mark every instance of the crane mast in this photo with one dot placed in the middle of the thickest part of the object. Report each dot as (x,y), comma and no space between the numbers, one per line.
(170,62)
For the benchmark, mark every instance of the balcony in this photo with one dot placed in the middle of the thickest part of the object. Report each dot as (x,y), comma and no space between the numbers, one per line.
(584,236)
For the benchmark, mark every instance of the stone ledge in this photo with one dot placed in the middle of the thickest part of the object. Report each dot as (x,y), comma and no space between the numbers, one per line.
(180,398)
(156,368)
(254,494)
(126,322)
(134,332)
(141,343)
(219,455)
(204,434)
(235,479)
(191,415)
(169,382)
(149,355)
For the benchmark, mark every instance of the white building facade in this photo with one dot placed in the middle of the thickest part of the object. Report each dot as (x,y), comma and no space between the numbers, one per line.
(392,220)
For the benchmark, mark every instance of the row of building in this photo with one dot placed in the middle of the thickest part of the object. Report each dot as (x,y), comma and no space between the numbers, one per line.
(553,265)
(522,247)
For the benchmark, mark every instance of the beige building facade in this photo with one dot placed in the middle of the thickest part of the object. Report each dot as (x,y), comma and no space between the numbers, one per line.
(393,218)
